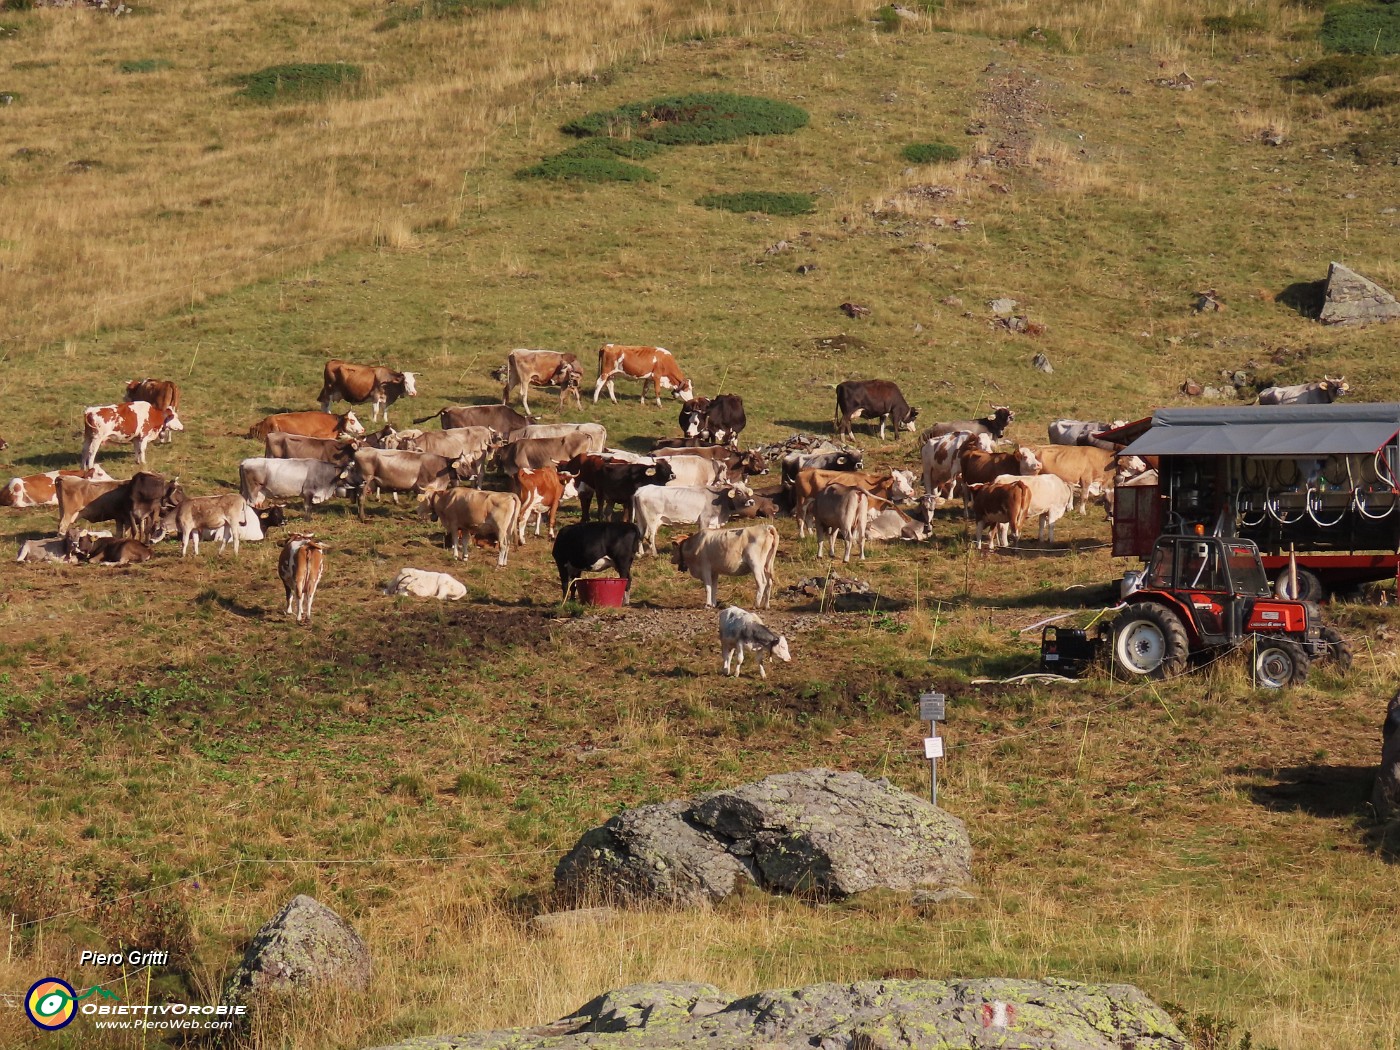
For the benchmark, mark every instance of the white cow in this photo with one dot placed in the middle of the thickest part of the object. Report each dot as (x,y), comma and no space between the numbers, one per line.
(261,479)
(709,507)
(421,583)
(740,629)
(840,510)
(1321,393)
(696,471)
(1051,498)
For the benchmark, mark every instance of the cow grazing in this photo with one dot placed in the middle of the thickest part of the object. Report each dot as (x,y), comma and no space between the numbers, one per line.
(261,479)
(1050,499)
(994,424)
(739,630)
(593,546)
(999,509)
(421,583)
(717,419)
(978,467)
(597,433)
(748,551)
(542,451)
(613,482)
(308,424)
(467,513)
(840,510)
(159,392)
(1321,393)
(527,368)
(941,459)
(356,384)
(895,487)
(652,364)
(503,419)
(109,550)
(708,507)
(300,565)
(41,490)
(93,501)
(540,490)
(224,515)
(872,398)
(399,471)
(149,496)
(1082,432)
(137,422)
(296,446)
(1089,470)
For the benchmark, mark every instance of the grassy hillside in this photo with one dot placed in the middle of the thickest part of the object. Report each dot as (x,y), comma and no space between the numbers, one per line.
(178,760)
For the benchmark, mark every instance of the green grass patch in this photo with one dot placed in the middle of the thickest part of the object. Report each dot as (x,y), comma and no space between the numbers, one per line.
(693,120)
(143,65)
(1366,98)
(1234,25)
(1379,145)
(628,149)
(767,203)
(930,153)
(1336,71)
(299,81)
(587,169)
(1039,36)
(432,9)
(1362,29)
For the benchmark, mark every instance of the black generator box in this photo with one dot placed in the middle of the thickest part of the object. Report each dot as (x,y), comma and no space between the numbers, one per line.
(1067,651)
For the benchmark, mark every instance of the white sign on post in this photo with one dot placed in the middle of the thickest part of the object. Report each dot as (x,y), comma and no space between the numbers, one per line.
(933,709)
(933,747)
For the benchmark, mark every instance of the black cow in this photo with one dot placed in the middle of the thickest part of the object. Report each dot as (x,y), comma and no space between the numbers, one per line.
(592,546)
(613,481)
(994,424)
(503,419)
(150,496)
(718,419)
(872,398)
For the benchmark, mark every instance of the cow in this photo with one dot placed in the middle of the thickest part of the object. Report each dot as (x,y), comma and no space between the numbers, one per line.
(300,565)
(109,550)
(296,446)
(148,498)
(994,424)
(308,424)
(474,445)
(597,433)
(356,384)
(41,490)
(1051,498)
(526,368)
(466,512)
(830,458)
(891,523)
(138,422)
(252,530)
(93,501)
(1000,509)
(56,548)
(747,551)
(872,398)
(159,392)
(762,507)
(540,490)
(894,487)
(593,546)
(747,464)
(718,419)
(740,629)
(690,471)
(421,583)
(386,437)
(941,458)
(1087,469)
(708,507)
(654,363)
(978,467)
(613,482)
(223,514)
(261,479)
(842,510)
(1082,432)
(503,419)
(399,471)
(542,452)
(1321,393)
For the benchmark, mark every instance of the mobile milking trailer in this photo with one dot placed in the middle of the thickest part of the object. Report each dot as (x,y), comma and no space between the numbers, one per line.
(1317,480)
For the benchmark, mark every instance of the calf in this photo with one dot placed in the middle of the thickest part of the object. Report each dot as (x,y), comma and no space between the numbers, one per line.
(891,523)
(1321,393)
(108,550)
(149,497)
(224,515)
(421,583)
(159,392)
(308,424)
(740,629)
(540,491)
(894,487)
(593,546)
(872,398)
(1000,509)
(707,507)
(310,480)
(941,459)
(613,482)
(56,548)
(41,490)
(465,513)
(840,510)
(719,419)
(138,422)
(300,565)
(343,381)
(993,425)
(1050,499)
(749,551)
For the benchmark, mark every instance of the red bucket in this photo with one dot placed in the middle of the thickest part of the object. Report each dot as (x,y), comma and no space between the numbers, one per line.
(610,591)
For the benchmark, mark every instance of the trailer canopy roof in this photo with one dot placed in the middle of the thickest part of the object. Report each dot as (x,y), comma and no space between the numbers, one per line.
(1268,430)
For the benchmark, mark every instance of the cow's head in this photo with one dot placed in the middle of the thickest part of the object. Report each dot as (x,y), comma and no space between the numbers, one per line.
(410,383)
(570,485)
(692,415)
(350,425)
(171,421)
(428,505)
(780,649)
(1335,388)
(133,386)
(902,485)
(1002,414)
(1027,462)
(686,392)
(272,516)
(678,552)
(908,423)
(754,462)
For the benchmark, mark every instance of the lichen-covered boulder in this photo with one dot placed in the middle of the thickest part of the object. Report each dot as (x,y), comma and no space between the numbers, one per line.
(1351,299)
(304,946)
(870,1015)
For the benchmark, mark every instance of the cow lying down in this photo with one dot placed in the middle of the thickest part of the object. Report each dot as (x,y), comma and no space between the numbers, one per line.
(56,548)
(740,629)
(420,583)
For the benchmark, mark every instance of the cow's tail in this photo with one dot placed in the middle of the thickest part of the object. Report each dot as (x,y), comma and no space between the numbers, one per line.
(510,532)
(771,558)
(434,415)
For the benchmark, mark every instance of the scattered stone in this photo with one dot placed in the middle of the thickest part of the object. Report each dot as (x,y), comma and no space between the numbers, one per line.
(1003,307)
(906,14)
(855,310)
(918,328)
(950,893)
(1191,388)
(1207,300)
(576,919)
(816,586)
(952,300)
(1041,363)
(1272,136)
(774,249)
(1352,299)
(1183,81)
(891,1014)
(839,343)
(806,268)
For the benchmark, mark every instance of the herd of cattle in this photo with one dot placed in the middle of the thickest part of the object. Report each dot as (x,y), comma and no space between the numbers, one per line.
(700,479)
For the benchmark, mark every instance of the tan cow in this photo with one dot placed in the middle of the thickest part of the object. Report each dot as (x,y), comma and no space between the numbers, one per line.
(308,424)
(91,500)
(840,510)
(647,363)
(750,551)
(300,565)
(343,381)
(226,513)
(468,512)
(1088,470)
(526,368)
(896,486)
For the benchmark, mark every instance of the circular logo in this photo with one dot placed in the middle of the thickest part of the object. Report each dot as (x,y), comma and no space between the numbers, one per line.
(50,1003)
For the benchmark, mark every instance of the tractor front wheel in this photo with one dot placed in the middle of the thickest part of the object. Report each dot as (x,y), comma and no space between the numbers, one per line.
(1279,662)
(1149,641)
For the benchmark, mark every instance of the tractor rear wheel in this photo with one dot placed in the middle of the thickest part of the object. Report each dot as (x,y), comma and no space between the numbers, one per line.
(1279,662)
(1338,649)
(1149,641)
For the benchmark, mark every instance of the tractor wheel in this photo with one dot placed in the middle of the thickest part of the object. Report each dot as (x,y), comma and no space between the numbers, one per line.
(1338,649)
(1279,662)
(1310,588)
(1149,641)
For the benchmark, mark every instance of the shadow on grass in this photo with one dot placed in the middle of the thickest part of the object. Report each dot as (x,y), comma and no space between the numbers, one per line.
(1319,790)
(213,597)
(50,460)
(820,428)
(1306,297)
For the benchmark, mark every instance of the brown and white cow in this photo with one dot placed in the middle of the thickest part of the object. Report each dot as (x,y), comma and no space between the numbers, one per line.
(999,508)
(942,461)
(982,468)
(300,565)
(159,392)
(527,368)
(309,424)
(540,490)
(840,510)
(749,551)
(40,490)
(343,381)
(654,364)
(469,512)
(896,487)
(138,422)
(226,513)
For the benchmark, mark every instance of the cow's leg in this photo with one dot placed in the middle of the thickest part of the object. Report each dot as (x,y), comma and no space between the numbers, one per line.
(710,581)
(739,661)
(185,544)
(612,392)
(882,427)
(758,654)
(141,450)
(727,653)
(232,530)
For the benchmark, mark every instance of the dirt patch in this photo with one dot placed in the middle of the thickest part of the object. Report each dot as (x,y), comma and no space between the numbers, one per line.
(1013,109)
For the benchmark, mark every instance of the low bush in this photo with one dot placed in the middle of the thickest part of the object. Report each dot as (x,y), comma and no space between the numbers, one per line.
(143,65)
(1362,29)
(1336,71)
(693,120)
(1233,25)
(586,169)
(930,153)
(1366,98)
(889,20)
(303,80)
(629,149)
(767,203)
(440,9)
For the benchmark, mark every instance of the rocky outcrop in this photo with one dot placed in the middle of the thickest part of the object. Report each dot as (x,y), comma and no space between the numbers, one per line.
(871,1015)
(1352,299)
(816,832)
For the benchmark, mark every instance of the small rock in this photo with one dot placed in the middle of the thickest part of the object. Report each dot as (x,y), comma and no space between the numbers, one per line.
(774,249)
(952,300)
(855,310)
(1041,363)
(1191,388)
(948,893)
(1271,136)
(1003,307)
(1207,301)
(806,268)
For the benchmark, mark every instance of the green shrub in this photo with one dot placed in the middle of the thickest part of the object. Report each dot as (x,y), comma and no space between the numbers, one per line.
(767,203)
(440,9)
(471,782)
(303,80)
(1366,98)
(586,169)
(693,120)
(1336,71)
(1232,25)
(930,153)
(143,65)
(1362,29)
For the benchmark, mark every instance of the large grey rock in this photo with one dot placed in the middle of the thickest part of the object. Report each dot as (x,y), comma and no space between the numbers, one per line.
(1352,299)
(871,1015)
(305,945)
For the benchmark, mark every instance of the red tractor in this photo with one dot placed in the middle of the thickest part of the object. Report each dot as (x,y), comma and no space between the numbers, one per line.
(1204,595)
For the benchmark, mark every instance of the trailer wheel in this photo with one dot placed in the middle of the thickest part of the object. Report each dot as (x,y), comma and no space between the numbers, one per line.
(1338,649)
(1279,662)
(1149,641)
(1310,588)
